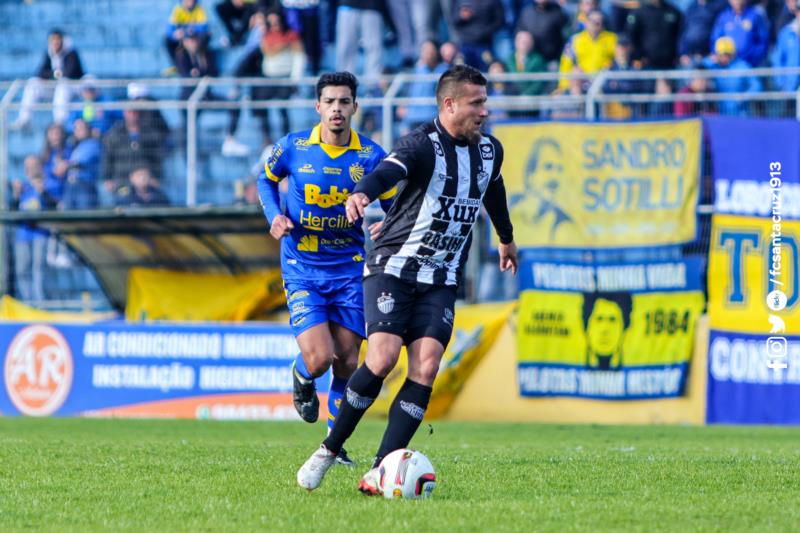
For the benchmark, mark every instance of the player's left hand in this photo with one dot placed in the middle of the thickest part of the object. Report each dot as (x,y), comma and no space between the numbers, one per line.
(508,257)
(374,229)
(355,206)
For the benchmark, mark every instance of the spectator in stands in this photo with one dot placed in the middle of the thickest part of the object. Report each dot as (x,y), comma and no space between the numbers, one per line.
(280,57)
(141,191)
(235,16)
(589,51)
(476,22)
(545,21)
(450,55)
(400,12)
(584,8)
(55,156)
(360,20)
(697,85)
(187,16)
(787,54)
(749,29)
(785,16)
(620,11)
(60,63)
(724,57)
(99,120)
(194,60)
(525,59)
(622,63)
(151,119)
(429,63)
(80,189)
(30,244)
(303,17)
(129,145)
(653,29)
(695,38)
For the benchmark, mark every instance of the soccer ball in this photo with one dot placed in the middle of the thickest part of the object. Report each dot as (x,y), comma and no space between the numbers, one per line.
(406,474)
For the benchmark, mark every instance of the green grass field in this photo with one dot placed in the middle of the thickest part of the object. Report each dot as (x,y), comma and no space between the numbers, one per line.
(81,474)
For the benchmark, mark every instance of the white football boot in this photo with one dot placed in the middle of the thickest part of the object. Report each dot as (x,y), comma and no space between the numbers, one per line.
(314,469)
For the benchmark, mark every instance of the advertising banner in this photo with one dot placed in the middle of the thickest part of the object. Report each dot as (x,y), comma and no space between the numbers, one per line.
(753,278)
(129,370)
(574,185)
(620,331)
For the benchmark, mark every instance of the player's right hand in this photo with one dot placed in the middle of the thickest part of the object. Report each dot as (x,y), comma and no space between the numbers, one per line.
(281,225)
(355,206)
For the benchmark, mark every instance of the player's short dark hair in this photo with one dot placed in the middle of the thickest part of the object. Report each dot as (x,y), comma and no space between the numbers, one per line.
(455,77)
(622,299)
(56,31)
(337,79)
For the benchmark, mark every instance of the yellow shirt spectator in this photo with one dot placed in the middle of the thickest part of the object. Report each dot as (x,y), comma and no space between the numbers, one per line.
(589,51)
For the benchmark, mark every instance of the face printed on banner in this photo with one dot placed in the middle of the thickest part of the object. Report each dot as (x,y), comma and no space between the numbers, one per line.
(543,175)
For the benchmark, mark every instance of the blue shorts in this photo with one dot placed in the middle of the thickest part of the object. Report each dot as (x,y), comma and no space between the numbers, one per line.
(315,301)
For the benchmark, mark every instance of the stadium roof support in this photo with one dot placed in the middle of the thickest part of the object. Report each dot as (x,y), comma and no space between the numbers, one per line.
(200,239)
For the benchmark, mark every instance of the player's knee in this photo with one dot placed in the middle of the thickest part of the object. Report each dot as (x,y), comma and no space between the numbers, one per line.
(425,372)
(381,363)
(345,364)
(318,361)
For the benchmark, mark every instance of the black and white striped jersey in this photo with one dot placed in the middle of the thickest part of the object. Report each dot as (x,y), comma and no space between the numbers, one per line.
(427,232)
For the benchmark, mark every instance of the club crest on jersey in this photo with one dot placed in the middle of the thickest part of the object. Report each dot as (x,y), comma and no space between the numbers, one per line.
(356,172)
(487,151)
(437,147)
(385,303)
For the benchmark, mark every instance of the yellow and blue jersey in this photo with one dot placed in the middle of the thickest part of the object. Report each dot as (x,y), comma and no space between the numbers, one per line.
(321,178)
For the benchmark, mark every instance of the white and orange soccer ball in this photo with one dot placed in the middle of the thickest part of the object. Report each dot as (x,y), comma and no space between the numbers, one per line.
(406,473)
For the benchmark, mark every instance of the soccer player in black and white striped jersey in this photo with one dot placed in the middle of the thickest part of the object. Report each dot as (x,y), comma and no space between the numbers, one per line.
(449,168)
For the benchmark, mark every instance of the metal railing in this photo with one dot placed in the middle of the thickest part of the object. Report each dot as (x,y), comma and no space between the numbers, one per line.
(190,98)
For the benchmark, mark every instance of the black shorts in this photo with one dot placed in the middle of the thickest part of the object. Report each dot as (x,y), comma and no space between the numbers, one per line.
(408,310)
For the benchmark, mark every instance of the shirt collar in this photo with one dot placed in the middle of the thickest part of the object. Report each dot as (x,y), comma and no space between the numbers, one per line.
(315,138)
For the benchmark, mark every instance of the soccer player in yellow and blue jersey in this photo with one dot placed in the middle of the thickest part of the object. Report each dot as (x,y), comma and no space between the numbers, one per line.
(322,254)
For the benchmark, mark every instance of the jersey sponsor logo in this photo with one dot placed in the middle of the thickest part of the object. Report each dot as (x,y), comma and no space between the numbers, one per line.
(315,196)
(464,210)
(318,223)
(365,151)
(356,172)
(385,303)
(277,152)
(301,144)
(38,370)
(437,147)
(337,243)
(308,243)
(308,168)
(444,177)
(487,151)
(358,258)
(332,170)
(442,242)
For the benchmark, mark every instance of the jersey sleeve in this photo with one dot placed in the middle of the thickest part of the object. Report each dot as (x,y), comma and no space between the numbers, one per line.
(495,199)
(386,198)
(414,154)
(277,165)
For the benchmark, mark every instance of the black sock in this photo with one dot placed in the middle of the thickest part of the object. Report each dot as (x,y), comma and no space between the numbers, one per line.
(361,391)
(405,416)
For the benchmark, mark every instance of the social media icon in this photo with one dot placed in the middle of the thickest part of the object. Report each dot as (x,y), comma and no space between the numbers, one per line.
(776,300)
(776,347)
(778,325)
